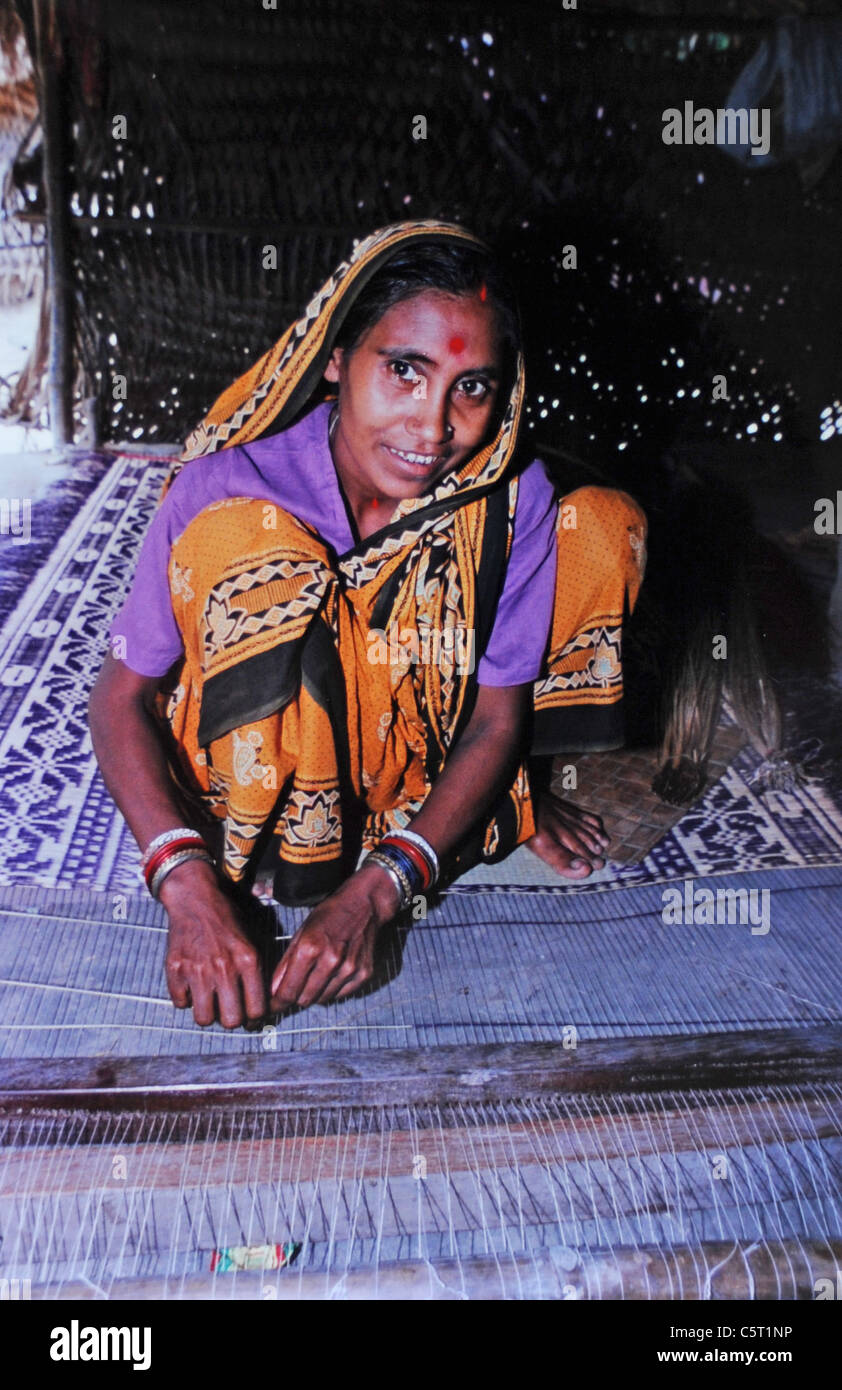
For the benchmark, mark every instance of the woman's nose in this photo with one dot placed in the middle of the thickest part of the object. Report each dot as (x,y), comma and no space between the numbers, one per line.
(430,419)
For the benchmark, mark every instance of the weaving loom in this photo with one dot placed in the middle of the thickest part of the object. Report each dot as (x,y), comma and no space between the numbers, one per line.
(683,1140)
(663,1168)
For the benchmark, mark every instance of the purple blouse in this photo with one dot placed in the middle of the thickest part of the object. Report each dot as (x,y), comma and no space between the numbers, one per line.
(295,470)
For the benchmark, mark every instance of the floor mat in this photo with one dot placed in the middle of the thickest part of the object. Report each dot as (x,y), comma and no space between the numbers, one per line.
(617,786)
(67,479)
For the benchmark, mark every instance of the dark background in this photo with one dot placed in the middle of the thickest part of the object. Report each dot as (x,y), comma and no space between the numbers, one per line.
(294,127)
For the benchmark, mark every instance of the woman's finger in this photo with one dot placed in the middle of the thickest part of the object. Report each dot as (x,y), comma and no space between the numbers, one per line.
(327,964)
(229,999)
(177,986)
(347,970)
(357,980)
(278,976)
(204,1011)
(254,992)
(291,975)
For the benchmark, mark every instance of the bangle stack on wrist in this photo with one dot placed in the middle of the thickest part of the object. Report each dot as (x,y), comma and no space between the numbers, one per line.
(418,849)
(167,851)
(410,861)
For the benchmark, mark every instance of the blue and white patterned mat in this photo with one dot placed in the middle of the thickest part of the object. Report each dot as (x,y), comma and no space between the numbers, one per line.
(59,828)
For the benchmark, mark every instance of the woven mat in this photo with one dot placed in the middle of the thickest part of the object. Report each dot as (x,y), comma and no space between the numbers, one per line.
(618,787)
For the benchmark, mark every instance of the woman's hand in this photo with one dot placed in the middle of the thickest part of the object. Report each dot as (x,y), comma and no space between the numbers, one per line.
(332,955)
(209,958)
(570,840)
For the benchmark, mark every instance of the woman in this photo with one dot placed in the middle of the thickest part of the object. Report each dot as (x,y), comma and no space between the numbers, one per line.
(350,624)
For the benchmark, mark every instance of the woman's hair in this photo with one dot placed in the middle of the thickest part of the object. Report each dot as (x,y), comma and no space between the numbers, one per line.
(453,267)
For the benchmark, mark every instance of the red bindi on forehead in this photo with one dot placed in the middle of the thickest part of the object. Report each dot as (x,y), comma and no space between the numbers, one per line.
(456,345)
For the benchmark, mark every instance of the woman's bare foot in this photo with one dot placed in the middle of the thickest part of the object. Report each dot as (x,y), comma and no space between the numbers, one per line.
(567,838)
(264,886)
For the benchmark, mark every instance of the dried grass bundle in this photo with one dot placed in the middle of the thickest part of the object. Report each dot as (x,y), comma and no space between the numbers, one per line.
(692,703)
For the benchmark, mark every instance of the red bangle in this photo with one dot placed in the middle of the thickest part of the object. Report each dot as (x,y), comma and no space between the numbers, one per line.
(166,851)
(412,852)
(183,842)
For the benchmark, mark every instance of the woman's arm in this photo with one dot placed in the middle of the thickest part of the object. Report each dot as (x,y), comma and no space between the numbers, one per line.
(478,769)
(208,954)
(333,954)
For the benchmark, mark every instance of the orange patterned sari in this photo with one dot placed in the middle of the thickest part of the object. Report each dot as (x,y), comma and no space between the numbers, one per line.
(281,726)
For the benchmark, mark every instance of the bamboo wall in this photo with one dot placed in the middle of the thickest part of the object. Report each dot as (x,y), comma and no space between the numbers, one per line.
(247,127)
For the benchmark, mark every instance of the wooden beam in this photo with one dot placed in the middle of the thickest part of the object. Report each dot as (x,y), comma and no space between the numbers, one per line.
(767,1271)
(49,64)
(438,1075)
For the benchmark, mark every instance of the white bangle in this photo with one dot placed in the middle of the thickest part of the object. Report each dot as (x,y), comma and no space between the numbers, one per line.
(167,838)
(426,849)
(172,863)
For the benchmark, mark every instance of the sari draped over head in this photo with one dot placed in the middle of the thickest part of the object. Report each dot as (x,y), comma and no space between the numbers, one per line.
(279,724)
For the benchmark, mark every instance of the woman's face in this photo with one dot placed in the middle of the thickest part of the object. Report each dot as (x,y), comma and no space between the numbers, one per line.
(417,395)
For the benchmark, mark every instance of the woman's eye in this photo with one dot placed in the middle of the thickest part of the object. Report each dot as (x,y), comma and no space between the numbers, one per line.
(403,370)
(474,388)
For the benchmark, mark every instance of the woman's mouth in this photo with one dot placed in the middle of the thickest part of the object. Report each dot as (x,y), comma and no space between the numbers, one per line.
(423,462)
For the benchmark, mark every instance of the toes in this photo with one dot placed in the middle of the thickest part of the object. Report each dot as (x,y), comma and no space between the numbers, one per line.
(590,842)
(574,838)
(571,866)
(567,862)
(582,823)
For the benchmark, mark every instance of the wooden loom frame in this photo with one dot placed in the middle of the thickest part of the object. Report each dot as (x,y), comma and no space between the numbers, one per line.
(432,1075)
(663,1067)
